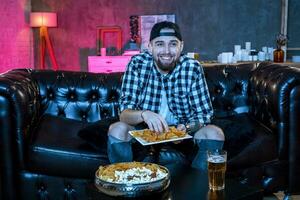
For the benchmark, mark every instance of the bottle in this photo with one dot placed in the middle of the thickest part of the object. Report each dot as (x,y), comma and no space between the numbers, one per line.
(278,55)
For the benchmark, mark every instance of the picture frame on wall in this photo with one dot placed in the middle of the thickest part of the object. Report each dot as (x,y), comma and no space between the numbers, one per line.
(109,40)
(146,24)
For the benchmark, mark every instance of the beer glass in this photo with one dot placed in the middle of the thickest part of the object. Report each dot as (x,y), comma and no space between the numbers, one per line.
(216,161)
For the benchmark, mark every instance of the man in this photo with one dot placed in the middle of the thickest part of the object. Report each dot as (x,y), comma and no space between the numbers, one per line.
(161,88)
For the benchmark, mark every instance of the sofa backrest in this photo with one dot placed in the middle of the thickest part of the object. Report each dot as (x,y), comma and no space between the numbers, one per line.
(90,96)
(271,86)
(78,95)
(229,88)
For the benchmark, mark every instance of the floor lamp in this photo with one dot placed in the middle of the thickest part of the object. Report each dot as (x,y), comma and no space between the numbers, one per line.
(43,20)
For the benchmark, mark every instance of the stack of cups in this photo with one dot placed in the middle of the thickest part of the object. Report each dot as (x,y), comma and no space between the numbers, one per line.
(225,57)
(237,52)
(270,52)
(248,46)
(261,56)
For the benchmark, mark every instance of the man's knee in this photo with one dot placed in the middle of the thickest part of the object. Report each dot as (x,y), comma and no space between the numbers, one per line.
(119,130)
(210,132)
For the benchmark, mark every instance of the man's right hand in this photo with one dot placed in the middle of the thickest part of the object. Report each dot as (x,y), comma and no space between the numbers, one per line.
(154,121)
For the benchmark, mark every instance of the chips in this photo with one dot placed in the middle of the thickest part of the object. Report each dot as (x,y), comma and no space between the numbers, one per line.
(151,136)
(118,172)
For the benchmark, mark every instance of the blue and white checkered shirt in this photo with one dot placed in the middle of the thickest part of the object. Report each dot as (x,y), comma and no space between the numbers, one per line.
(185,86)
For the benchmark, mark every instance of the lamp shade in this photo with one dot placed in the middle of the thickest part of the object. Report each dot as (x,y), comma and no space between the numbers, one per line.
(38,19)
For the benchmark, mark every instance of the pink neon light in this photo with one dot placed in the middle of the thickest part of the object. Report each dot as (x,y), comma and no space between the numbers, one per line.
(38,19)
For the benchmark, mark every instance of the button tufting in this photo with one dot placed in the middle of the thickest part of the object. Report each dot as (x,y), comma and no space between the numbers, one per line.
(61,112)
(42,192)
(51,95)
(238,88)
(218,89)
(72,96)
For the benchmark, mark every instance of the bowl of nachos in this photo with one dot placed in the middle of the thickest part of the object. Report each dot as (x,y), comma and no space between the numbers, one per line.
(131,179)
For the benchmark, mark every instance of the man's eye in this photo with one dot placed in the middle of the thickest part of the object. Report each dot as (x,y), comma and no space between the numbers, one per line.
(159,44)
(173,44)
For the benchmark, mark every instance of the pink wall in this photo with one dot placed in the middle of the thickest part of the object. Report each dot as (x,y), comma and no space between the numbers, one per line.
(75,37)
(16,49)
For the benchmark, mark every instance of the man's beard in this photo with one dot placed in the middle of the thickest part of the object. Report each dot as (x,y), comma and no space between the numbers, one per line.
(166,67)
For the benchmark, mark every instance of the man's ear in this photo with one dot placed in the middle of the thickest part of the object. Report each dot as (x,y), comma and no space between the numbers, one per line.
(150,47)
(181,46)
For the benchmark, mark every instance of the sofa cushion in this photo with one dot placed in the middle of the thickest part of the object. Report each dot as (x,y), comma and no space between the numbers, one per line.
(57,147)
(247,141)
(95,134)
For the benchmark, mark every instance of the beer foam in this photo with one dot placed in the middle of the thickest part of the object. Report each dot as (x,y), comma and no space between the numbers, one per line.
(216,159)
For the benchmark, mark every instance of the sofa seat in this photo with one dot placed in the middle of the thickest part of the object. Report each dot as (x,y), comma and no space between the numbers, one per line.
(248,142)
(56,147)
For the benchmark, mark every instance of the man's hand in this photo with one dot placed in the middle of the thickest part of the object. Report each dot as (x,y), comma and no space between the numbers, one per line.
(181,127)
(155,121)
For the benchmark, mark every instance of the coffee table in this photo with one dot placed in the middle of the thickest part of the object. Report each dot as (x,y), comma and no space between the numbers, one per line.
(188,183)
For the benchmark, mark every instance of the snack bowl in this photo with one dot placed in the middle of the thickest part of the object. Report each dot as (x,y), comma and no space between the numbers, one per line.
(132,189)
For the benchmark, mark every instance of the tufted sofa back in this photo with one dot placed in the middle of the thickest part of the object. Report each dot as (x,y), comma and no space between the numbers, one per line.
(90,97)
(229,88)
(271,86)
(263,92)
(79,95)
(234,89)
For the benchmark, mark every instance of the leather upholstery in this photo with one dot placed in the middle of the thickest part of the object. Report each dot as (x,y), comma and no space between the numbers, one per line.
(42,156)
(294,141)
(228,87)
(57,147)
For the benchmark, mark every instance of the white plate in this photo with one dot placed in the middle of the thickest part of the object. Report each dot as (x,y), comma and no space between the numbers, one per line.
(144,143)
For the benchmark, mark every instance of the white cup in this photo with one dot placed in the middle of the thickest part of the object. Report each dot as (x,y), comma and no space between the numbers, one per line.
(248,46)
(296,59)
(237,49)
(261,56)
(264,49)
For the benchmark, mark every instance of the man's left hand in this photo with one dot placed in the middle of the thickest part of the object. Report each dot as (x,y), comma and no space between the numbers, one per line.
(180,127)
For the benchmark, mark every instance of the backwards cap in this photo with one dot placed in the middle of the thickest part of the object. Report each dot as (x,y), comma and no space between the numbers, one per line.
(155,31)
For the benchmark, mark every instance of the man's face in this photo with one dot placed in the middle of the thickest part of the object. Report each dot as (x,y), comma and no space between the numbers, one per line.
(166,51)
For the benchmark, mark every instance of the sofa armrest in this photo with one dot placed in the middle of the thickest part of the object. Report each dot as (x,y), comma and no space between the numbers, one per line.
(19,105)
(294,141)
(22,94)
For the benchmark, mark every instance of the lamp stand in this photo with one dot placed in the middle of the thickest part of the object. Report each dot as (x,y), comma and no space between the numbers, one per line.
(46,42)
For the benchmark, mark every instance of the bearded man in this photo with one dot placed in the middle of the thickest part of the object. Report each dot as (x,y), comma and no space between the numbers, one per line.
(163,87)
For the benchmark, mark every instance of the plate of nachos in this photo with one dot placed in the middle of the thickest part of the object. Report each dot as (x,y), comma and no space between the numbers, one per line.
(131,179)
(148,137)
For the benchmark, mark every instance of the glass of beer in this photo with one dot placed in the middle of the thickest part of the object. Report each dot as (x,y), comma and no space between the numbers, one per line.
(216,161)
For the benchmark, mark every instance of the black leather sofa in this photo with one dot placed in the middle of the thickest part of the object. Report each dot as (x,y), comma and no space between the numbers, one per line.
(42,112)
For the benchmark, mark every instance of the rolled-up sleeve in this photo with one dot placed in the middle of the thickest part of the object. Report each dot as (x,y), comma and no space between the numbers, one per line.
(130,87)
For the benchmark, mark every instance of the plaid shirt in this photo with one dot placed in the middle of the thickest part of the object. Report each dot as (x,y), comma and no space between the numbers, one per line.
(185,86)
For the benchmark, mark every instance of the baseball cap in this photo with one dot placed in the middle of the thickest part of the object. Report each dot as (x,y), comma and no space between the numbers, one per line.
(155,31)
